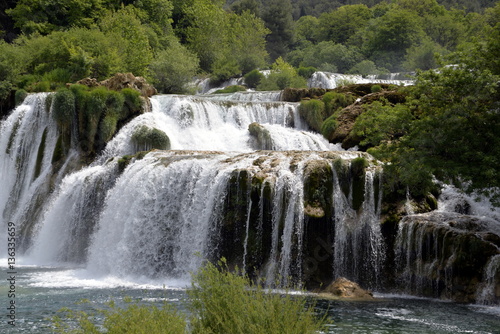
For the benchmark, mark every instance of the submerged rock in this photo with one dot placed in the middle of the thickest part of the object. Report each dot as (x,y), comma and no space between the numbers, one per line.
(344,289)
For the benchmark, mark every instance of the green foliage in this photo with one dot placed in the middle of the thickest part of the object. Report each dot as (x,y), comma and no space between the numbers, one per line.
(5,90)
(306,72)
(132,102)
(231,89)
(313,112)
(278,18)
(376,88)
(329,126)
(365,68)
(173,68)
(45,16)
(253,78)
(329,56)
(147,139)
(333,101)
(222,302)
(134,318)
(219,301)
(63,110)
(20,96)
(382,122)
(343,23)
(282,75)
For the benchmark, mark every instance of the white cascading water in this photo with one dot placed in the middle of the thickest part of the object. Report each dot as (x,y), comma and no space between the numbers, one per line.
(154,217)
(333,80)
(27,141)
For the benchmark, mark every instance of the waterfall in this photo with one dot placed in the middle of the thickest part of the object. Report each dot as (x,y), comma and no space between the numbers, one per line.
(333,80)
(27,142)
(215,194)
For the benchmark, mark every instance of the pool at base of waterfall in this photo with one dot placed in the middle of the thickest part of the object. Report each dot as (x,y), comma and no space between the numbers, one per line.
(40,292)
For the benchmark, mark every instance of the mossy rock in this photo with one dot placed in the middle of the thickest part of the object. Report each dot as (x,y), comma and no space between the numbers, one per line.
(318,188)
(262,136)
(147,139)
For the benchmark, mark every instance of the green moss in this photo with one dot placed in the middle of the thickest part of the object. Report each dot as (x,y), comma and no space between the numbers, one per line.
(313,112)
(39,156)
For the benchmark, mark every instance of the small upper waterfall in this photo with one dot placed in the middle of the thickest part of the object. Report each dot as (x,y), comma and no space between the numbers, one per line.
(333,80)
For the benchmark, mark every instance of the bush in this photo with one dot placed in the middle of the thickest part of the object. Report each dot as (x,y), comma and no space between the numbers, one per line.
(282,76)
(133,102)
(222,302)
(329,126)
(306,72)
(20,96)
(376,89)
(313,112)
(134,318)
(253,78)
(63,109)
(147,139)
(334,101)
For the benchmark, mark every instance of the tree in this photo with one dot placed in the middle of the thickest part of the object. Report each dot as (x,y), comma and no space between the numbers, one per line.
(173,68)
(341,24)
(45,16)
(278,19)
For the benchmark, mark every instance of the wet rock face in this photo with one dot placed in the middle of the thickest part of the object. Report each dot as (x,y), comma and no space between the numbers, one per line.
(446,255)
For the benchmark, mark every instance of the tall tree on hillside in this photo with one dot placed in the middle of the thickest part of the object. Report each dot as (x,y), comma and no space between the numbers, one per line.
(278,19)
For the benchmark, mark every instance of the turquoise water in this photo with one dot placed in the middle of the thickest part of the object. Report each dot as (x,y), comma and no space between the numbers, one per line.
(42,291)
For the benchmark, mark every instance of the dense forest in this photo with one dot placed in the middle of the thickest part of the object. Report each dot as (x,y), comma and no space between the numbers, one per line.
(448,127)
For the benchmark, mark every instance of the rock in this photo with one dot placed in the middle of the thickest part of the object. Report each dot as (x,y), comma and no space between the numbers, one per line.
(262,136)
(345,289)
(445,255)
(120,81)
(128,80)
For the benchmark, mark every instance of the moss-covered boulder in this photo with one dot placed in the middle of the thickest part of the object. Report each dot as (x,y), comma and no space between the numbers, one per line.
(261,136)
(342,288)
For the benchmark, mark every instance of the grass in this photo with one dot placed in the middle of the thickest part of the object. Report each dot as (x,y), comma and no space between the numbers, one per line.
(220,302)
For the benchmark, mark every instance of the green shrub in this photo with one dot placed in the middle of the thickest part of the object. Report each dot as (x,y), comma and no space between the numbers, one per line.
(63,109)
(313,112)
(253,78)
(222,302)
(334,101)
(132,102)
(20,96)
(134,318)
(376,88)
(231,89)
(283,75)
(329,126)
(147,139)
(107,127)
(306,72)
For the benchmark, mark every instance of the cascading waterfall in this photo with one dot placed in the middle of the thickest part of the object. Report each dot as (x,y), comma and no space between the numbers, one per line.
(333,80)
(27,142)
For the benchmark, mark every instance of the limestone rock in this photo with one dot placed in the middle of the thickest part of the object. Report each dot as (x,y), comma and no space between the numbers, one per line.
(120,81)
(345,289)
(128,80)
